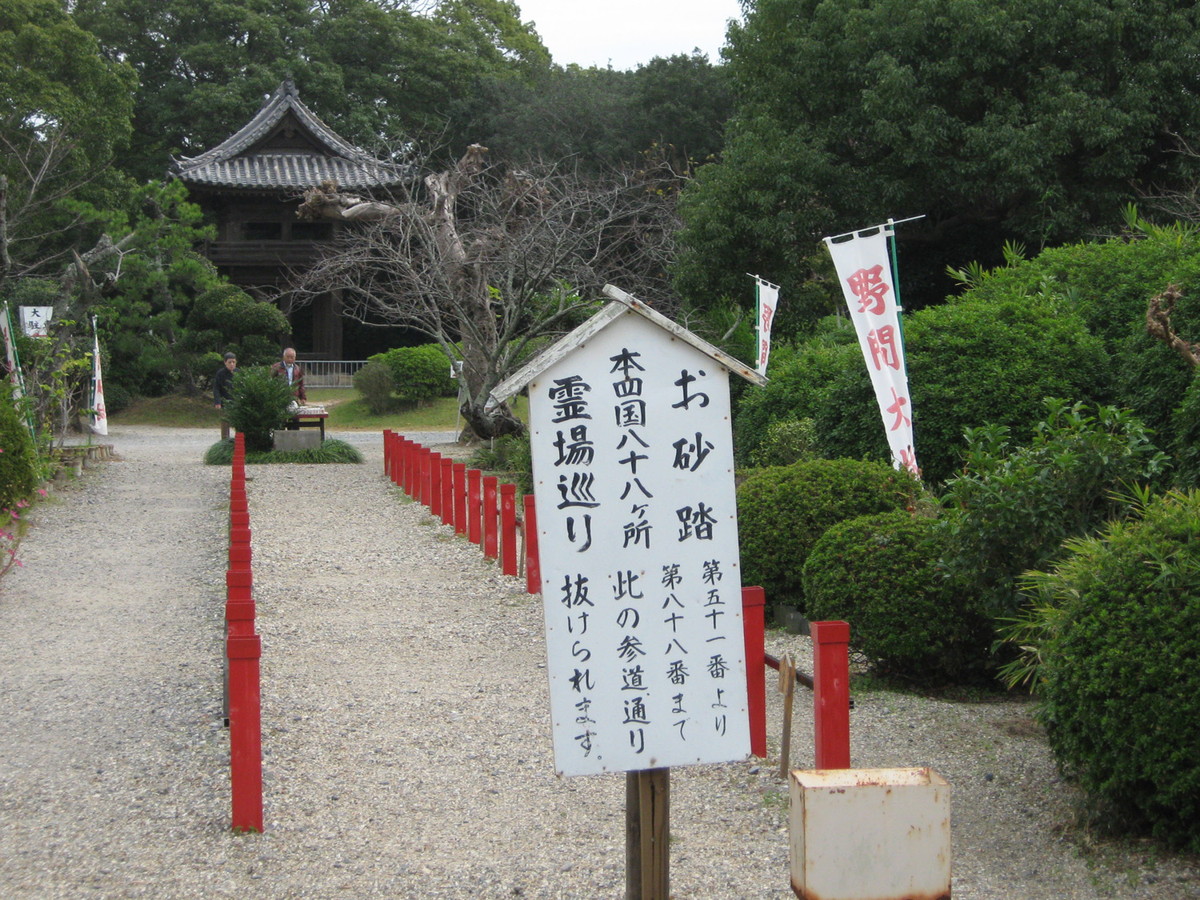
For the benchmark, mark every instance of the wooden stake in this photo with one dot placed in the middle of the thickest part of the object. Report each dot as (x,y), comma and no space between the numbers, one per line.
(647,834)
(787,687)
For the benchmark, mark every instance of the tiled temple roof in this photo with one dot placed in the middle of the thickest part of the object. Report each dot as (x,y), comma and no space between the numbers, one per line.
(255,159)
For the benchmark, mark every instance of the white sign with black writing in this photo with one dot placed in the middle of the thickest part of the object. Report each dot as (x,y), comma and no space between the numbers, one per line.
(637,529)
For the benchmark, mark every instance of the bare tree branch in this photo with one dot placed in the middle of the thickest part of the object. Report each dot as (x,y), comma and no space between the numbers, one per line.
(490,261)
(1158,324)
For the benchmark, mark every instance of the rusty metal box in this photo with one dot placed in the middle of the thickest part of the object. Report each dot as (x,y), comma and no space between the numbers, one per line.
(870,834)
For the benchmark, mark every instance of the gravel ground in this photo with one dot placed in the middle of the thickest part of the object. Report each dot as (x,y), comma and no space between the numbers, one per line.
(405,719)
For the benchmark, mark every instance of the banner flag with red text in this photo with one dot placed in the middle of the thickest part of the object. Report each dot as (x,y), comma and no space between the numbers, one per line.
(869,285)
(99,423)
(767,295)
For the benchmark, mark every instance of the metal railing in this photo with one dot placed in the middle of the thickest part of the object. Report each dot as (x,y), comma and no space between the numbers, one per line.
(331,373)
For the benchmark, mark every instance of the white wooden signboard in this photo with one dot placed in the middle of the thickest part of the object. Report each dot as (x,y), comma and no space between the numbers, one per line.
(637,530)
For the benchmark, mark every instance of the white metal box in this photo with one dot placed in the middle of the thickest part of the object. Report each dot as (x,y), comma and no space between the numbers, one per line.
(870,834)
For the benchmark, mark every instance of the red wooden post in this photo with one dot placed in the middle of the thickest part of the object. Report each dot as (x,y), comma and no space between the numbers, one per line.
(533,568)
(460,498)
(490,490)
(753,623)
(245,732)
(407,478)
(474,505)
(831,694)
(508,529)
(426,475)
(387,452)
(447,504)
(399,459)
(435,484)
(239,549)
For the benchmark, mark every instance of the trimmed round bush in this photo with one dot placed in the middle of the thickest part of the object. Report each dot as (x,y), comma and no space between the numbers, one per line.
(881,574)
(374,381)
(420,373)
(784,510)
(18,461)
(1120,687)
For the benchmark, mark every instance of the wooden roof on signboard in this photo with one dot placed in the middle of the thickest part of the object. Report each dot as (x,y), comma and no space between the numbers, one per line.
(285,147)
(622,304)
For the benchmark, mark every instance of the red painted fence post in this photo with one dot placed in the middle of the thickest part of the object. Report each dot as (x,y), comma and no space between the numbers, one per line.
(435,484)
(460,498)
(831,694)
(490,490)
(474,505)
(533,568)
(426,475)
(245,732)
(446,506)
(754,625)
(508,529)
(387,453)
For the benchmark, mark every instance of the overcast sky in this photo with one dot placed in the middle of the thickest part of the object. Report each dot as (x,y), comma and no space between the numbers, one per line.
(625,33)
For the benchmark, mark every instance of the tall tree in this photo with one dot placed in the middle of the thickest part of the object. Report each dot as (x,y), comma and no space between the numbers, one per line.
(1032,120)
(65,116)
(489,260)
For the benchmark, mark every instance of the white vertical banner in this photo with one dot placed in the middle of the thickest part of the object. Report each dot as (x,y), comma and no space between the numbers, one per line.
(868,284)
(99,423)
(12,368)
(768,299)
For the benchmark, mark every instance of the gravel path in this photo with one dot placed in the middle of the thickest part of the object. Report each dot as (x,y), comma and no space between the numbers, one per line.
(405,728)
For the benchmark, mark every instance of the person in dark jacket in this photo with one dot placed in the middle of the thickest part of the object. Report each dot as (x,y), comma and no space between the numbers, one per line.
(223,390)
(294,373)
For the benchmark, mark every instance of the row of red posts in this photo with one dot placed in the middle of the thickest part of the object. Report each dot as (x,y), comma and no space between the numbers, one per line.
(467,499)
(243,650)
(480,507)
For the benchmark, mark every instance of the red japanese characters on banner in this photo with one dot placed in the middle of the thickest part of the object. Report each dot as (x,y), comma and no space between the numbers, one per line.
(862,264)
(768,300)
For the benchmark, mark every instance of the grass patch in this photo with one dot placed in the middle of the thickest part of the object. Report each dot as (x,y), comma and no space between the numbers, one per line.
(173,410)
(331,451)
(347,412)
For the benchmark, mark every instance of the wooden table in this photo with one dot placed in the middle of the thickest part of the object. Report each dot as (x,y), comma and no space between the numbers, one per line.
(308,420)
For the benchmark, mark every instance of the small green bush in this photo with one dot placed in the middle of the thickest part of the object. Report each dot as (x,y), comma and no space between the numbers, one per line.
(881,573)
(1120,687)
(510,456)
(420,373)
(19,467)
(260,405)
(375,383)
(786,441)
(784,510)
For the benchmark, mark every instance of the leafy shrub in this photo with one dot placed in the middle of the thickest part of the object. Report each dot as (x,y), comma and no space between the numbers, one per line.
(798,386)
(19,467)
(374,381)
(1012,507)
(784,510)
(786,441)
(971,364)
(259,406)
(510,456)
(1120,688)
(420,373)
(882,574)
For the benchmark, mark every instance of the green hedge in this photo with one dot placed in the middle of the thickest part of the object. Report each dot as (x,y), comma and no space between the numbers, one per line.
(882,574)
(784,510)
(1120,686)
